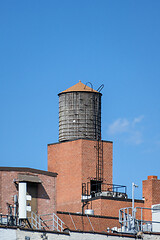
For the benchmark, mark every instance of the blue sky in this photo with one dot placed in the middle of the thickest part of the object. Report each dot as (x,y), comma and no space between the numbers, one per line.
(47,46)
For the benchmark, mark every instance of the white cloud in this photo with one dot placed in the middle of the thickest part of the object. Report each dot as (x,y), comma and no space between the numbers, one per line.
(138,119)
(130,128)
(118,126)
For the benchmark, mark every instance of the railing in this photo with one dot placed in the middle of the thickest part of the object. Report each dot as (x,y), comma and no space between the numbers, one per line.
(95,189)
(47,222)
(132,223)
(35,221)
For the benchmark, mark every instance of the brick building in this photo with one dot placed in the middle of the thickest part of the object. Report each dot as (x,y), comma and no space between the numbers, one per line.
(75,163)
(41,185)
(76,157)
(83,162)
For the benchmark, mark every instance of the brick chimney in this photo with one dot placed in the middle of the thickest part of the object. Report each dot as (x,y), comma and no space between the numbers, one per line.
(151,193)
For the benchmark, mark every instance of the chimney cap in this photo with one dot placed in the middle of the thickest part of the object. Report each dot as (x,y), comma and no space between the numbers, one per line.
(152,177)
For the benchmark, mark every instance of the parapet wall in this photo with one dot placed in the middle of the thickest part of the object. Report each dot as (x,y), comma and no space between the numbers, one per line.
(21,234)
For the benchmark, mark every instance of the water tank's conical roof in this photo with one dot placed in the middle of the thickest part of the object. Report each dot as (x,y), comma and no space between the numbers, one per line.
(79,87)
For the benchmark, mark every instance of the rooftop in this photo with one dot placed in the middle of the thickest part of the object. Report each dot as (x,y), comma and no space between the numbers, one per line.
(31,170)
(79,87)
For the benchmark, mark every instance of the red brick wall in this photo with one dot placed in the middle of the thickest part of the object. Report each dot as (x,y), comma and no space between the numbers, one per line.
(46,191)
(66,159)
(151,189)
(89,158)
(75,162)
(111,207)
(108,161)
(81,222)
(8,189)
(47,194)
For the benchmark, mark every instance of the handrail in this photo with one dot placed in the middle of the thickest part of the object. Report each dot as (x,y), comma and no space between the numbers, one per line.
(39,222)
(126,219)
(102,187)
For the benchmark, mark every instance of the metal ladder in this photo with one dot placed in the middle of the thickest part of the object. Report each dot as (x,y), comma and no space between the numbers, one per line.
(99,165)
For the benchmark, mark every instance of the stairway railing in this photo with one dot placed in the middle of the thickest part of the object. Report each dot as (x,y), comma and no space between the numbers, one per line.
(47,222)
